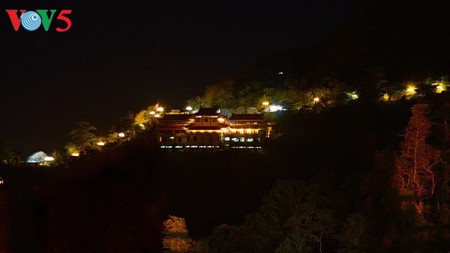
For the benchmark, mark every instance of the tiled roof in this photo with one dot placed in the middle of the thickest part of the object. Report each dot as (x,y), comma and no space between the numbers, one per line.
(207,111)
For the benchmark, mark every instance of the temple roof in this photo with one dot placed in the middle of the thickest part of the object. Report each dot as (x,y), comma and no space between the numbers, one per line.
(207,111)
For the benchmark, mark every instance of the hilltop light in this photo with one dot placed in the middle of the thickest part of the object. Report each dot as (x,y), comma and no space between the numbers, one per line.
(75,154)
(121,134)
(160,109)
(354,95)
(49,159)
(316,99)
(265,103)
(189,108)
(439,89)
(157,115)
(101,143)
(40,158)
(152,112)
(410,90)
(275,108)
(385,97)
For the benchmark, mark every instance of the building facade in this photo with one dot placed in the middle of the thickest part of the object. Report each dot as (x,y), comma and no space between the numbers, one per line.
(208,129)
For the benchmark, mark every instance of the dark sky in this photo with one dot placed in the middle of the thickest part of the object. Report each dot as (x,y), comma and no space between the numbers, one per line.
(122,56)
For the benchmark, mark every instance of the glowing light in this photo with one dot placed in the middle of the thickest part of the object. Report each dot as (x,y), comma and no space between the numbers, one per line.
(142,126)
(39,158)
(275,108)
(160,109)
(189,108)
(75,154)
(121,134)
(49,159)
(101,143)
(316,99)
(221,120)
(152,112)
(410,90)
(385,97)
(439,89)
(265,103)
(353,95)
(157,115)
(280,73)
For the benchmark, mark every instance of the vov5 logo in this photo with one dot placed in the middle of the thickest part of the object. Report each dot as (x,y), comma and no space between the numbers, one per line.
(32,20)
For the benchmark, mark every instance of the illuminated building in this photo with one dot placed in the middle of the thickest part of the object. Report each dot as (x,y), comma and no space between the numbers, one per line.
(208,129)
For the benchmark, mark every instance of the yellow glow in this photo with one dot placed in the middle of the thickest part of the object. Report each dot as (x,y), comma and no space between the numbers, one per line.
(386,97)
(316,99)
(265,103)
(49,159)
(160,109)
(157,115)
(142,126)
(152,112)
(354,95)
(121,135)
(439,89)
(101,143)
(75,154)
(221,120)
(189,108)
(410,90)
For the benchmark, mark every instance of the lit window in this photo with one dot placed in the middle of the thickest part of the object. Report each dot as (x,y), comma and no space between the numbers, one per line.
(235,139)
(226,138)
(242,139)
(249,139)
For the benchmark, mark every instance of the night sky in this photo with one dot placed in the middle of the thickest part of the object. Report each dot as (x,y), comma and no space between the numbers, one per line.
(121,57)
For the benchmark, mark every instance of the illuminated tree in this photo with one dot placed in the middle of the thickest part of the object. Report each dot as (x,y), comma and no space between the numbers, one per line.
(83,137)
(196,103)
(416,162)
(148,117)
(142,118)
(250,94)
(176,235)
(219,95)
